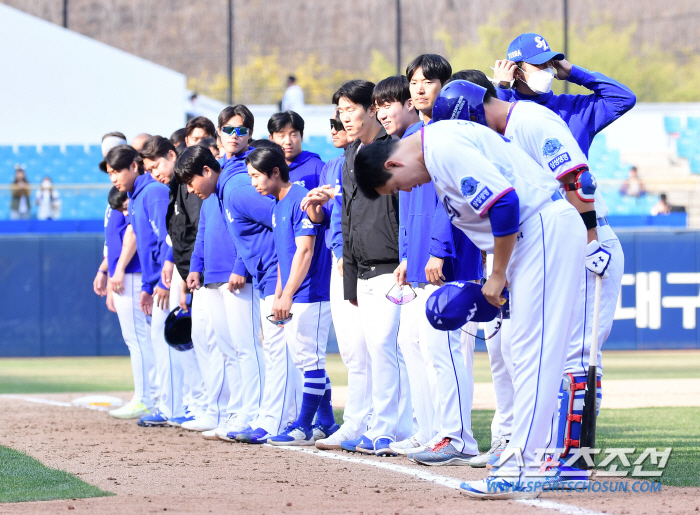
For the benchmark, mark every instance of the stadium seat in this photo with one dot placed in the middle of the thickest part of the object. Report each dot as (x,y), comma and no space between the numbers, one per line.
(687,144)
(672,124)
(75,150)
(693,123)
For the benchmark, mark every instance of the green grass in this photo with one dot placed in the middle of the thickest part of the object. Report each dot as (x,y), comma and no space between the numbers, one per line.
(26,479)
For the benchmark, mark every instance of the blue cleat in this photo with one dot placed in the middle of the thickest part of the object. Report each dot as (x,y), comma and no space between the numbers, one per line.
(351,445)
(381,447)
(254,436)
(293,434)
(154,419)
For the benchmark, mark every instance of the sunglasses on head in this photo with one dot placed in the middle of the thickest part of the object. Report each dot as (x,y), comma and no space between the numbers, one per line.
(230,129)
(337,125)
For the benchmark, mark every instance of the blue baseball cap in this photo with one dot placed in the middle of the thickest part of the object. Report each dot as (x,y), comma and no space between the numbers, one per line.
(456,303)
(533,49)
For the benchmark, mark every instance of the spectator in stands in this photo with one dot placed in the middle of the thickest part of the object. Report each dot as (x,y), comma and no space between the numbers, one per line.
(633,185)
(192,108)
(48,200)
(293,99)
(662,207)
(20,208)
(139,140)
(177,138)
(197,129)
(210,143)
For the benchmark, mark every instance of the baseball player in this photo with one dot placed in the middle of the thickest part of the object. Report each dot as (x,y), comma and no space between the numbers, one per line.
(248,217)
(287,130)
(302,294)
(509,206)
(531,66)
(148,202)
(547,139)
(351,340)
(122,265)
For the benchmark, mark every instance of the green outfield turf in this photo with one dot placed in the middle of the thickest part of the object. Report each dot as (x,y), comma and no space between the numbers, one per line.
(25,479)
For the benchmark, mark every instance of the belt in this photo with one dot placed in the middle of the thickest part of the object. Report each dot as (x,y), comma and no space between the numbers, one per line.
(556,196)
(602,222)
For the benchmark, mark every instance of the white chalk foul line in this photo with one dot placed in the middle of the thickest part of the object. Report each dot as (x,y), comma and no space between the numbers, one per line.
(51,403)
(448,482)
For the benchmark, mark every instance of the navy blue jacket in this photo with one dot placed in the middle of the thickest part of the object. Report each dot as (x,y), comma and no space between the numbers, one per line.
(147,208)
(248,217)
(586,115)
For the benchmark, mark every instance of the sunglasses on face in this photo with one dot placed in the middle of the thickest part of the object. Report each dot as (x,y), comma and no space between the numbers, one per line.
(337,125)
(399,296)
(230,129)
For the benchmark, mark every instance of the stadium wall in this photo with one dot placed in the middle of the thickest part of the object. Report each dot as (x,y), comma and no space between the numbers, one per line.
(48,307)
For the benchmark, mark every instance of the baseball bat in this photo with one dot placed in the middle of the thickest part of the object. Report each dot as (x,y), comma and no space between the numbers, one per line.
(588,419)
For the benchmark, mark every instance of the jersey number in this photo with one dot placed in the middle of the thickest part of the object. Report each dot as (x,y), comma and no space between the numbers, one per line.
(451,211)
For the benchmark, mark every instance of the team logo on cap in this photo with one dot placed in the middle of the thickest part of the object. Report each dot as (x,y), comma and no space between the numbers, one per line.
(541,43)
(551,147)
(468,186)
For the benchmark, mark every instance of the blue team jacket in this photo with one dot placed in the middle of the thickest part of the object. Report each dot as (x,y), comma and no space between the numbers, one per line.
(214,253)
(332,174)
(586,115)
(425,230)
(248,217)
(115,227)
(147,207)
(306,169)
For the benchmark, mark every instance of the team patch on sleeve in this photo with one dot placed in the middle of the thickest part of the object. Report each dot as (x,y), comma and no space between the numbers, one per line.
(551,147)
(559,160)
(481,198)
(468,186)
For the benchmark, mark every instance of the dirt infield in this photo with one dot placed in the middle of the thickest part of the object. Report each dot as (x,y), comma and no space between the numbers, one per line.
(175,471)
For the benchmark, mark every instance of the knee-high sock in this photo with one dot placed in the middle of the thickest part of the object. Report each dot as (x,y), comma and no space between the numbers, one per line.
(314,389)
(325,409)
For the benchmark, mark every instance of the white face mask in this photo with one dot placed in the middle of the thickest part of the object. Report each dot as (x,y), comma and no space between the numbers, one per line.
(540,81)
(46,185)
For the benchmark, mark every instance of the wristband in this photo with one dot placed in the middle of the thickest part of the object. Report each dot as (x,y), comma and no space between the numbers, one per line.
(100,270)
(590,219)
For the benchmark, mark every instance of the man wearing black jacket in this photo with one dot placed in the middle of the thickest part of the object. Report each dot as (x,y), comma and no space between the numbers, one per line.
(370,255)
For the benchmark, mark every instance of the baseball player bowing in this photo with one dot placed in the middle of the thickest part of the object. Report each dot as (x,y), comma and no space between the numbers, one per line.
(302,295)
(546,138)
(507,205)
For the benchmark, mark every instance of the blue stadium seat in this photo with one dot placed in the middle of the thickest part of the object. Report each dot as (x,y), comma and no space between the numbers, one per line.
(75,150)
(51,151)
(693,123)
(6,152)
(694,161)
(672,124)
(687,144)
(27,152)
(95,151)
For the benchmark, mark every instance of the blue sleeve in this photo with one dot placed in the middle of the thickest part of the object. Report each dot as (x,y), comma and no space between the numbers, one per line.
(505,215)
(504,94)
(239,266)
(169,253)
(609,101)
(197,258)
(441,244)
(302,226)
(155,208)
(253,206)
(336,226)
(403,221)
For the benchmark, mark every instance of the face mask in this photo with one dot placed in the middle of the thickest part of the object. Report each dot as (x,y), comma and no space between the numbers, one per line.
(540,81)
(46,185)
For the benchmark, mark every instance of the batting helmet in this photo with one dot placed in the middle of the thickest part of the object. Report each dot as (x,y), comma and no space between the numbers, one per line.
(178,330)
(460,100)
(456,303)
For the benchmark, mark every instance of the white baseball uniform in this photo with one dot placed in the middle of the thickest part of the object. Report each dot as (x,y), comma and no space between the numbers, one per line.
(472,167)
(546,138)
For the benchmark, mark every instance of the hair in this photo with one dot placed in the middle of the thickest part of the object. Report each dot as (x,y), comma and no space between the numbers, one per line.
(177,138)
(663,197)
(114,134)
(356,91)
(265,160)
(391,89)
(192,162)
(237,110)
(200,122)
(209,143)
(292,78)
(280,121)
(480,79)
(369,166)
(434,66)
(17,170)
(264,143)
(156,147)
(121,157)
(116,198)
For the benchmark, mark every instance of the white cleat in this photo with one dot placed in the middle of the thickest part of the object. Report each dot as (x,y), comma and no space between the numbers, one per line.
(332,443)
(199,424)
(134,409)
(498,488)
(409,445)
(497,447)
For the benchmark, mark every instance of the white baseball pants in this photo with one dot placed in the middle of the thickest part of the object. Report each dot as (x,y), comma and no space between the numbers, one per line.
(307,334)
(168,366)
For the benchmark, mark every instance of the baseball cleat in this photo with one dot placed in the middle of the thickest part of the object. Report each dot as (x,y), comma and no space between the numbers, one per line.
(293,435)
(199,424)
(231,429)
(497,447)
(497,488)
(322,432)
(444,453)
(178,421)
(210,435)
(382,447)
(351,445)
(153,419)
(134,409)
(253,436)
(406,446)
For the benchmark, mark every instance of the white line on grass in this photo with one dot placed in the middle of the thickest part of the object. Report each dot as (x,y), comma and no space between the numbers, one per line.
(448,482)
